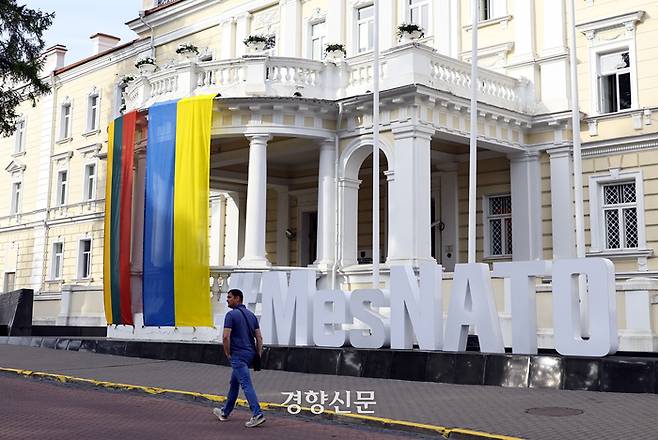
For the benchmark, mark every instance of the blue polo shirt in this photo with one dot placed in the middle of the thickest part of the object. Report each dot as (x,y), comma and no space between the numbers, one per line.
(241,342)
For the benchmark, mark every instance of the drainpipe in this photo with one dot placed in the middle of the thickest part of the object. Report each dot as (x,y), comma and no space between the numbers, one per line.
(338,204)
(142,14)
(46,227)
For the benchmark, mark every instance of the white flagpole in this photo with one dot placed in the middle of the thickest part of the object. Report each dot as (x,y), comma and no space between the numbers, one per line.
(375,150)
(577,157)
(472,174)
(578,175)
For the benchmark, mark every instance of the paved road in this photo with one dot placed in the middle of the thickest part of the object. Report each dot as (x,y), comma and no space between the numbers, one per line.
(33,409)
(490,409)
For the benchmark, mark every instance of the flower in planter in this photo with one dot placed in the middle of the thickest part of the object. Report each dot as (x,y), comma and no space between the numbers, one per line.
(266,41)
(187,48)
(410,29)
(145,61)
(335,47)
(126,79)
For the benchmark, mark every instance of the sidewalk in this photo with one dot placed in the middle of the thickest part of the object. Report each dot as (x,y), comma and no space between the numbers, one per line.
(489,409)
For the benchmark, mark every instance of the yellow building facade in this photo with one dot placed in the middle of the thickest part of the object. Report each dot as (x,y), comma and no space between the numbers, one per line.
(312,113)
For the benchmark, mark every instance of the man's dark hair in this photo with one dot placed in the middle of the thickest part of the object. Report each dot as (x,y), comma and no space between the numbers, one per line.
(238,293)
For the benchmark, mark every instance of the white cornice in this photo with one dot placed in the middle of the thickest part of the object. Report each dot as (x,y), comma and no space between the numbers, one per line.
(65,156)
(15,166)
(90,149)
(611,22)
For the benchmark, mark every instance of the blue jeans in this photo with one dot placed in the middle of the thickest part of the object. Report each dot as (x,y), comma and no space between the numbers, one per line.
(241,378)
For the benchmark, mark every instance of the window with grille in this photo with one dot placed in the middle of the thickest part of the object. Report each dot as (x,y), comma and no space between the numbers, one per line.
(57,261)
(365,28)
(419,13)
(615,82)
(620,216)
(318,36)
(499,225)
(84,259)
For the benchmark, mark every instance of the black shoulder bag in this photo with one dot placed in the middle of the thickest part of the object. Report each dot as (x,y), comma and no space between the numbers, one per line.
(255,364)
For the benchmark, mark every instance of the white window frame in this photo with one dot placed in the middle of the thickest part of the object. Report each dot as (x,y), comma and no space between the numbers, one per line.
(86,195)
(322,39)
(65,123)
(93,120)
(16,196)
(597,222)
(355,31)
(54,275)
(82,255)
(626,41)
(61,197)
(21,132)
(427,28)
(486,228)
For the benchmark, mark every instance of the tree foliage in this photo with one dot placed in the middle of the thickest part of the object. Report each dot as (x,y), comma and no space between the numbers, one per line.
(21,46)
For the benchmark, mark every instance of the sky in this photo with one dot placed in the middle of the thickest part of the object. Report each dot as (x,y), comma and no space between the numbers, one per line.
(77,20)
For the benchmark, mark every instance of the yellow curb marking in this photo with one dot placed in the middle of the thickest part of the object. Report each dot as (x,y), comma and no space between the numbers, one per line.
(445,432)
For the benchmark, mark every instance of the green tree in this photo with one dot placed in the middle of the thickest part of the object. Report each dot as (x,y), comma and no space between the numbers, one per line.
(21,45)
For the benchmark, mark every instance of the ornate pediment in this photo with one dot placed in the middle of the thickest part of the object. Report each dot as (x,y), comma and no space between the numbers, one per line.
(15,166)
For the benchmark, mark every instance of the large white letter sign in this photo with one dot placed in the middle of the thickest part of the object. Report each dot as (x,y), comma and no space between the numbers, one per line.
(361,303)
(472,303)
(249,284)
(287,313)
(416,309)
(603,338)
(330,312)
(523,297)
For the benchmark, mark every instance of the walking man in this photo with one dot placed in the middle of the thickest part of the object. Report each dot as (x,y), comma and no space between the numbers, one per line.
(240,330)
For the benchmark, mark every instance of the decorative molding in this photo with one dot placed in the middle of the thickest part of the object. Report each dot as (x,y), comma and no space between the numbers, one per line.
(628,21)
(491,22)
(62,158)
(90,150)
(15,166)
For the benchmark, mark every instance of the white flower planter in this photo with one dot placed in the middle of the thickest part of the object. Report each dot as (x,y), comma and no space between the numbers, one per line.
(410,37)
(189,55)
(256,46)
(147,68)
(335,55)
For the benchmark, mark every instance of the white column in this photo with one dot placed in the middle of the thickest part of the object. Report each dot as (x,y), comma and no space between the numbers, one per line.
(254,240)
(242,221)
(525,176)
(336,18)
(450,217)
(234,224)
(242,29)
(282,223)
(524,37)
(217,222)
(387,24)
(290,34)
(228,38)
(349,189)
(411,196)
(326,205)
(562,220)
(554,67)
(137,245)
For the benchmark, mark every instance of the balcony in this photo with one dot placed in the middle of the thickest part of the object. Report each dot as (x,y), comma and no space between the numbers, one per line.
(263,75)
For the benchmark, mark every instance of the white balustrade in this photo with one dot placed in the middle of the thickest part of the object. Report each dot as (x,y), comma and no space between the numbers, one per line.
(261,75)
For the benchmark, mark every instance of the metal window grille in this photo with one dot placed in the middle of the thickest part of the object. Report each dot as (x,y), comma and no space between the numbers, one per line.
(499,217)
(620,216)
